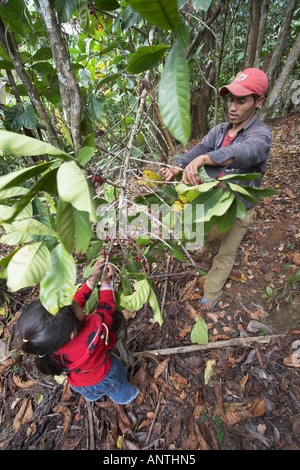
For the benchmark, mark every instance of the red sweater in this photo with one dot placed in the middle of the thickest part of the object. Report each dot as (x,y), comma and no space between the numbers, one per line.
(86,359)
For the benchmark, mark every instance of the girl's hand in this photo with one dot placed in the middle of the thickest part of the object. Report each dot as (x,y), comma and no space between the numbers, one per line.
(97,270)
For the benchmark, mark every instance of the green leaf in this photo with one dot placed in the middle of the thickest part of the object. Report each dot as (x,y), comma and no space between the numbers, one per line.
(243,192)
(240,209)
(155,307)
(65,224)
(28,266)
(199,333)
(14,191)
(136,300)
(17,177)
(174,95)
(15,238)
(244,177)
(73,188)
(220,208)
(161,13)
(201,4)
(46,183)
(107,5)
(21,145)
(95,107)
(65,9)
(57,288)
(32,227)
(83,230)
(226,221)
(85,154)
(182,188)
(175,251)
(145,58)
(261,193)
(92,302)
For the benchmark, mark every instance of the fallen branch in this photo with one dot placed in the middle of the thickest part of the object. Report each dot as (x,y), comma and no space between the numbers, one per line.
(213,345)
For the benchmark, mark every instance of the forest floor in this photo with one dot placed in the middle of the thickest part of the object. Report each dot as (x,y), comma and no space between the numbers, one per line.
(236,396)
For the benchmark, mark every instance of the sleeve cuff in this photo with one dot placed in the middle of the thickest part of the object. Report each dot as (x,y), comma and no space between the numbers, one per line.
(90,285)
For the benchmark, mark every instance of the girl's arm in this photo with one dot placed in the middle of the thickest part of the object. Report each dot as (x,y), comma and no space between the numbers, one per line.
(83,294)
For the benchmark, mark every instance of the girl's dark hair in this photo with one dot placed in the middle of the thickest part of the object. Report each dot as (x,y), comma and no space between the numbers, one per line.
(43,334)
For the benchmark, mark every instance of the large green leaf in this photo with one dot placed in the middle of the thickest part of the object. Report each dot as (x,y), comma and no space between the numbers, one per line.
(220,208)
(46,182)
(107,5)
(199,333)
(174,95)
(57,288)
(143,293)
(201,4)
(28,266)
(19,176)
(155,307)
(83,230)
(161,13)
(145,58)
(65,9)
(73,188)
(23,146)
(136,300)
(243,177)
(65,224)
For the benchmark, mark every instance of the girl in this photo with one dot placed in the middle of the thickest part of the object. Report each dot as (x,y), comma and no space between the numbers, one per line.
(79,346)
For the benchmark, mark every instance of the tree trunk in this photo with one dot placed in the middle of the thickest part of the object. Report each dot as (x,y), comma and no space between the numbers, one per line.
(255,22)
(15,57)
(289,64)
(261,33)
(281,43)
(68,85)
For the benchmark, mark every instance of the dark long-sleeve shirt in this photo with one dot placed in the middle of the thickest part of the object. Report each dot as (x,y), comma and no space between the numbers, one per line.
(249,150)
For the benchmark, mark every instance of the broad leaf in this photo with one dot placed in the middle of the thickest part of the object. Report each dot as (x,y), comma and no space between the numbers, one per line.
(174,95)
(220,208)
(47,182)
(85,154)
(83,230)
(17,177)
(28,266)
(199,333)
(32,227)
(73,188)
(201,4)
(161,13)
(182,188)
(155,307)
(145,58)
(243,177)
(135,301)
(65,224)
(243,192)
(58,286)
(23,146)
(107,5)
(65,9)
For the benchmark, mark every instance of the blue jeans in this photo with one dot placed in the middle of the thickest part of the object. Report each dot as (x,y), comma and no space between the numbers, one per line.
(115,385)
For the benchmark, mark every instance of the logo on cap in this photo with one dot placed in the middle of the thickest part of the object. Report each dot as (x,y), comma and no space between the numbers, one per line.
(242,77)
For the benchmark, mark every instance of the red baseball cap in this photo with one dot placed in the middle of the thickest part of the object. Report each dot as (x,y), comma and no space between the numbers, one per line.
(247,82)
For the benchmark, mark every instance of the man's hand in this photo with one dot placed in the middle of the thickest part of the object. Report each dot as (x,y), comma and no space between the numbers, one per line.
(190,173)
(170,173)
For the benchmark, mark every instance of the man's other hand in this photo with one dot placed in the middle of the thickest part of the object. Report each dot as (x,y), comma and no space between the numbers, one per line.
(170,173)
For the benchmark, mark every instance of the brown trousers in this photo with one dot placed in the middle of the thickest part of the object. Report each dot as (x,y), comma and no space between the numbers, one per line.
(224,260)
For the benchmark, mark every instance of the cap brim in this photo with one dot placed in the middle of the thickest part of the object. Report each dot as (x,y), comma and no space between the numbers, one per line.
(235,89)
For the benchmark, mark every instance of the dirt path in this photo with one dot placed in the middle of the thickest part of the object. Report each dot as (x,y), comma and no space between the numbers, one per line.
(236,397)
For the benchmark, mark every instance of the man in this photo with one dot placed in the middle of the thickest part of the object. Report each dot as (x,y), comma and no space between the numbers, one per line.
(239,146)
